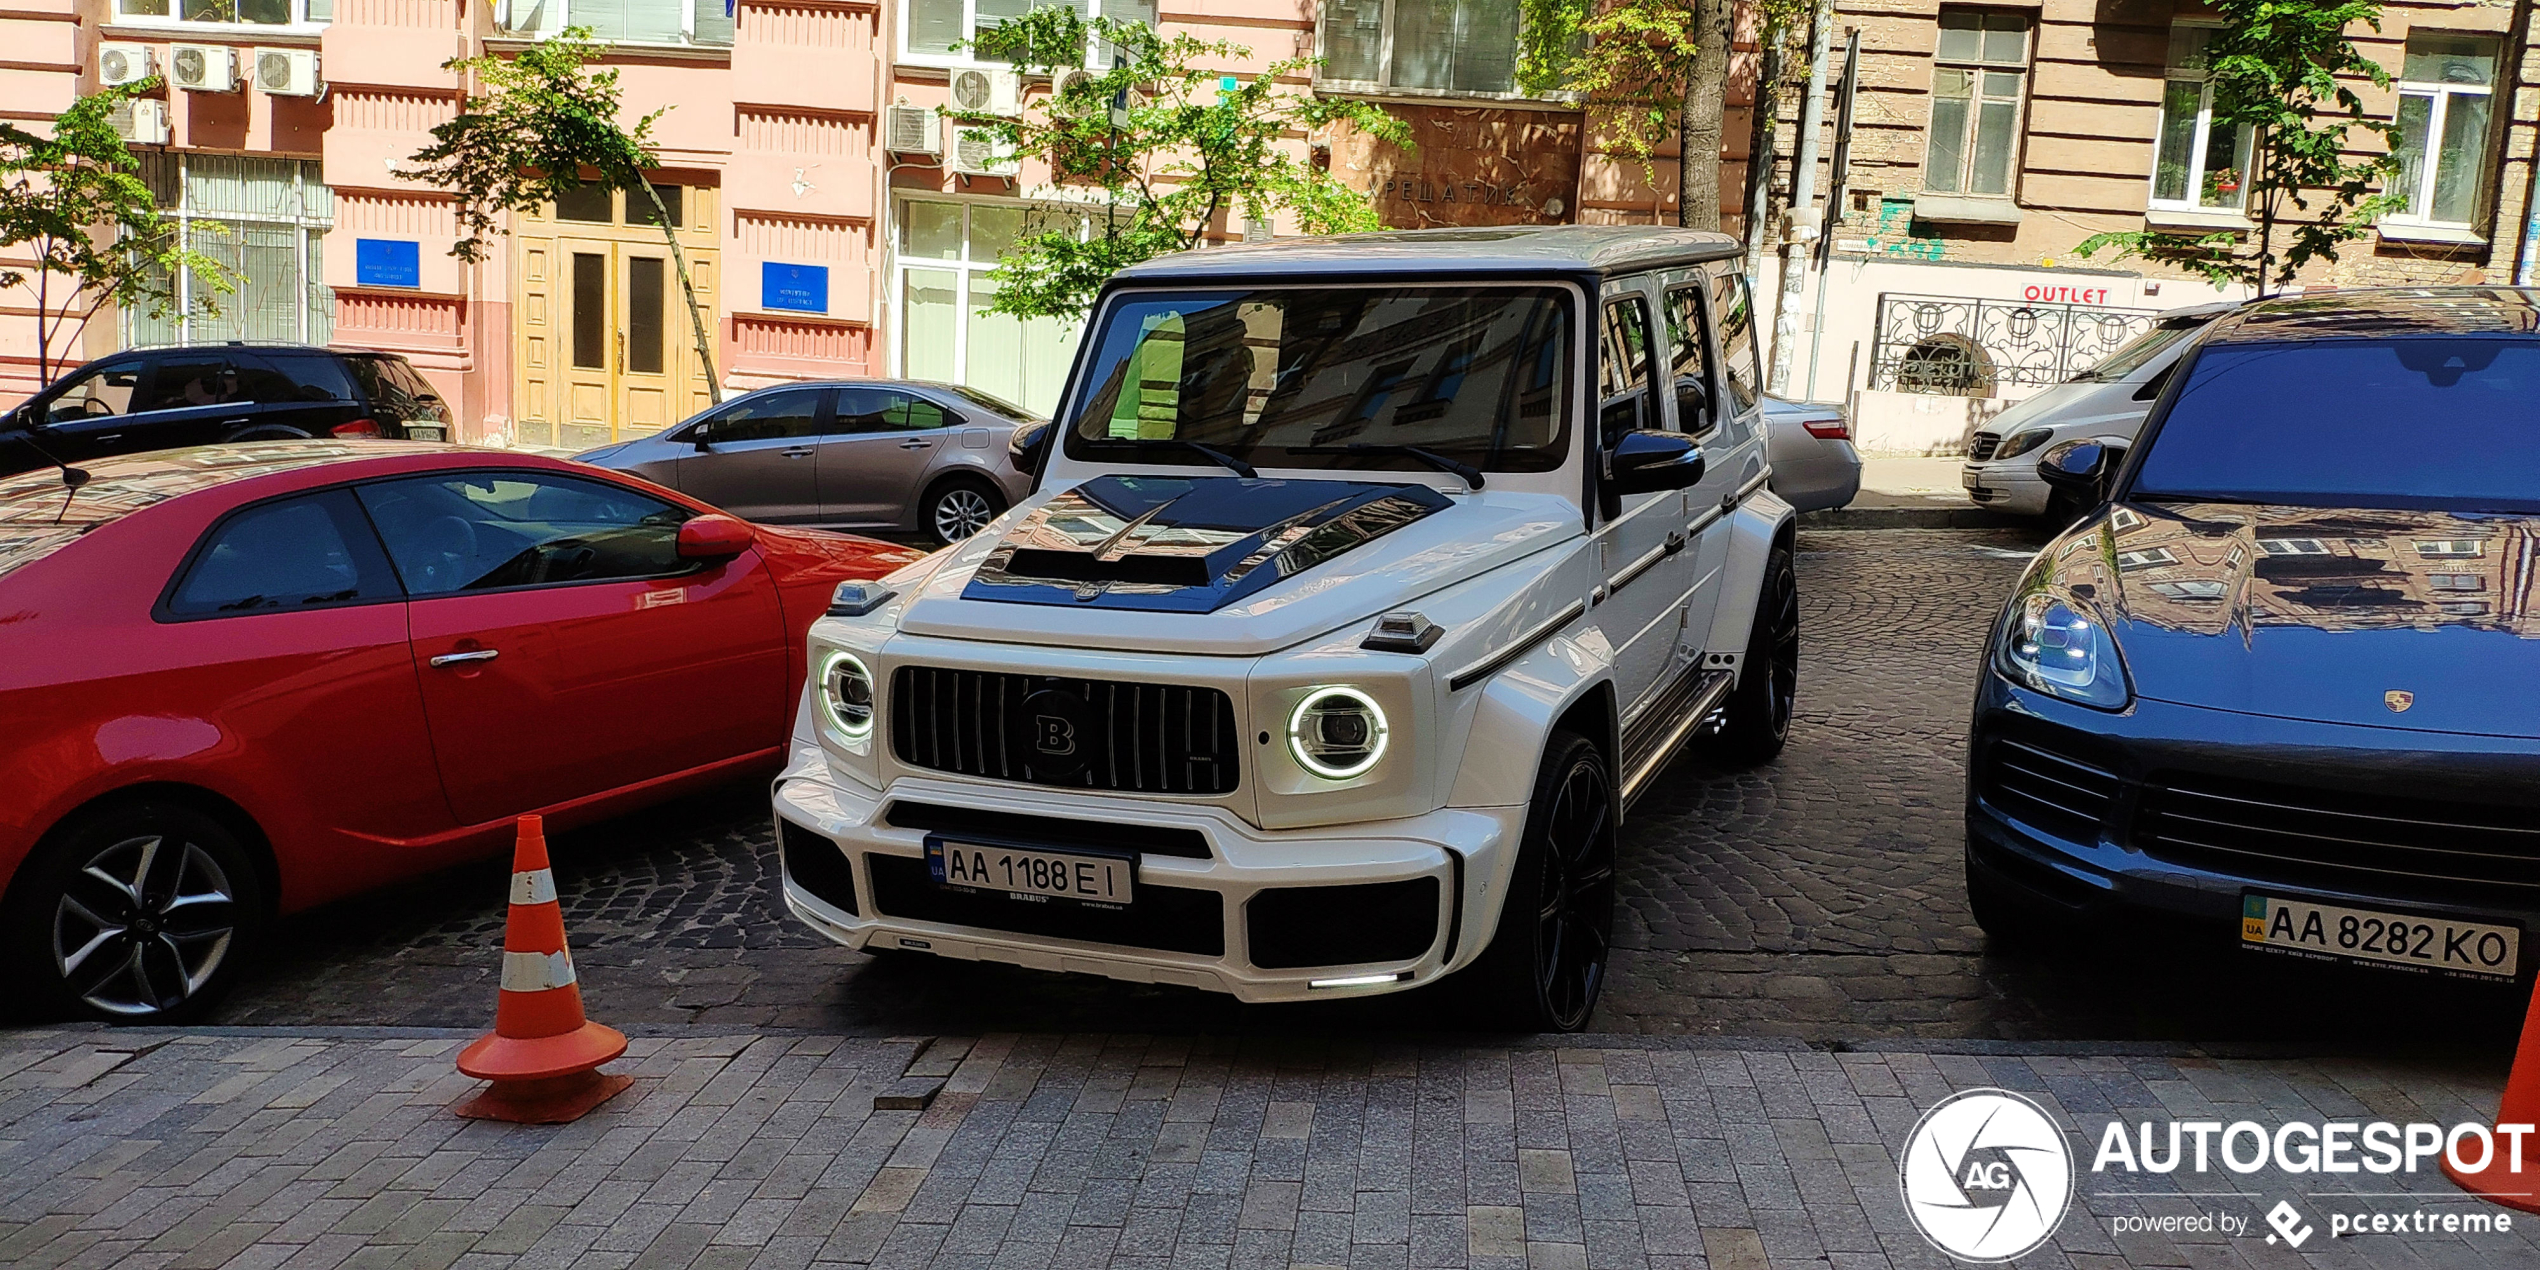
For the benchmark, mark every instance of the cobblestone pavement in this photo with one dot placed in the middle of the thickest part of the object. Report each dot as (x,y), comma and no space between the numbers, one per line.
(1818,897)
(149,1150)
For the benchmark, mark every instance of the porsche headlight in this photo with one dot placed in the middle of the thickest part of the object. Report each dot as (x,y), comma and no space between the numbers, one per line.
(2019,443)
(1337,733)
(846,695)
(2059,646)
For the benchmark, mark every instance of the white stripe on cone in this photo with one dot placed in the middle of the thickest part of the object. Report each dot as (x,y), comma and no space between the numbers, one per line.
(537,886)
(536,972)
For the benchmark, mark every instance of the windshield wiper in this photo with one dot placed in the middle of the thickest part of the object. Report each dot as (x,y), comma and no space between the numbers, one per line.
(1471,475)
(1213,455)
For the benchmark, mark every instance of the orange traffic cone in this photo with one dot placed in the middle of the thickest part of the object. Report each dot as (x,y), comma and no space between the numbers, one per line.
(542,1055)
(2510,1175)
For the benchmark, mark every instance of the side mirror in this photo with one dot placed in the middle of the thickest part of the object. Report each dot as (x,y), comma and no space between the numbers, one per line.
(714,536)
(1646,462)
(2082,469)
(1029,445)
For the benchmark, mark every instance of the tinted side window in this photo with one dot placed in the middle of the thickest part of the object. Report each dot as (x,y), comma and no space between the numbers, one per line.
(1688,361)
(299,553)
(1742,372)
(1623,371)
(887,410)
(480,531)
(183,380)
(107,390)
(397,390)
(773,416)
(310,377)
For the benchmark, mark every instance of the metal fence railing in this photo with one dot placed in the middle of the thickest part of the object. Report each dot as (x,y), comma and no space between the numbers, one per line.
(1957,347)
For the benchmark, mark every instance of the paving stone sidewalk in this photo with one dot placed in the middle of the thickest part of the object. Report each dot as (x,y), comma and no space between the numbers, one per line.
(331,1148)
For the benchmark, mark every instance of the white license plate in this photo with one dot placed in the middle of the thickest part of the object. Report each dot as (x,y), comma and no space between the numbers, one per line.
(2430,943)
(1967,477)
(414,433)
(1066,875)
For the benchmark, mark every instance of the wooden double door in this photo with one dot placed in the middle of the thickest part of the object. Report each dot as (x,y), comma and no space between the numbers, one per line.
(606,349)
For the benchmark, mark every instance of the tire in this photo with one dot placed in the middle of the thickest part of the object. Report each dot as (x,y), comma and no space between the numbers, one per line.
(1546,963)
(959,508)
(1757,716)
(137,913)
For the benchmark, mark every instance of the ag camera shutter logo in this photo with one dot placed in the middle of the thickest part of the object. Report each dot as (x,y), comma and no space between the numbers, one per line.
(1986,1175)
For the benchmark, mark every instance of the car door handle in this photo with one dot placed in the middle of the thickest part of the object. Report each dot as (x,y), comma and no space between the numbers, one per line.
(796,453)
(234,423)
(474,654)
(915,444)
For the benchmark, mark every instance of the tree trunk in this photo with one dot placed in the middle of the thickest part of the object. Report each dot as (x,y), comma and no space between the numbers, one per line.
(1698,122)
(1758,210)
(696,316)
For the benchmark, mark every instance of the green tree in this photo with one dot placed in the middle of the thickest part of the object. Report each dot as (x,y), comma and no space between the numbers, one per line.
(1171,147)
(538,125)
(73,203)
(2276,68)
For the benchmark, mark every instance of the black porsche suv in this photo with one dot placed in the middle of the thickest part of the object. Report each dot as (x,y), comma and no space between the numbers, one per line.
(160,398)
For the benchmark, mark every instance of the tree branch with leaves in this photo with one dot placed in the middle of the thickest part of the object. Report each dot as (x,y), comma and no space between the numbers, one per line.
(74,205)
(1168,144)
(2282,69)
(537,125)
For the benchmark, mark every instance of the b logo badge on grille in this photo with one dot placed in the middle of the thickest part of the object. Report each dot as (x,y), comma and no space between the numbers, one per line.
(2398,699)
(1057,738)
(1049,733)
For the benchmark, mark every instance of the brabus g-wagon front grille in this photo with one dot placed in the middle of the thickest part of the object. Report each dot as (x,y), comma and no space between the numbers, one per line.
(1082,733)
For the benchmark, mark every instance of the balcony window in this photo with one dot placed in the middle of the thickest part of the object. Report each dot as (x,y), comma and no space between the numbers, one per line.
(2446,96)
(942,32)
(248,13)
(1464,48)
(693,22)
(1976,85)
(2201,165)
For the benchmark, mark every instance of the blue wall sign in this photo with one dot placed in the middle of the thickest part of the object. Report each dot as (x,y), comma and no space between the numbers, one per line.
(387,262)
(794,288)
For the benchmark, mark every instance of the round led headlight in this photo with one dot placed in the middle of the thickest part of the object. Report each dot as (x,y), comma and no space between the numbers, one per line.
(846,694)
(1337,733)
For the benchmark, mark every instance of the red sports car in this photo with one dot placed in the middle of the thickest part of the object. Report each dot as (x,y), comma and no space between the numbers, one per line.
(242,680)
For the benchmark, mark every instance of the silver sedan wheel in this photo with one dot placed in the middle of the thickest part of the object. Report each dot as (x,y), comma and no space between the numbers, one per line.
(960,512)
(143,925)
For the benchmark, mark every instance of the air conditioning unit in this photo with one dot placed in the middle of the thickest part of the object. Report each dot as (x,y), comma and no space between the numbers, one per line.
(1073,81)
(979,152)
(203,68)
(287,72)
(912,130)
(988,92)
(142,121)
(125,63)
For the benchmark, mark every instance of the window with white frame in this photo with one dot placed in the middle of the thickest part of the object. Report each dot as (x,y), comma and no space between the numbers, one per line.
(944,252)
(266,219)
(254,13)
(944,32)
(2200,164)
(699,22)
(2446,95)
(1448,47)
(1977,78)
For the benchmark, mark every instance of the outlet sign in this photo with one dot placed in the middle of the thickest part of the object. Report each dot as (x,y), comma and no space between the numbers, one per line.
(793,288)
(387,262)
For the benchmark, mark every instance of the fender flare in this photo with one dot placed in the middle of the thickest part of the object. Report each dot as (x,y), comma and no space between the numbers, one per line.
(1761,521)
(1568,677)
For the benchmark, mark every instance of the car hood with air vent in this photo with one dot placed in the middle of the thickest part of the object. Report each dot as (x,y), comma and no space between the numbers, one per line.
(1221,564)
(2401,619)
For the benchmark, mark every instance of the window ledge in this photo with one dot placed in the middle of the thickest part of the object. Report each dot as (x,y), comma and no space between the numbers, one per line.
(1364,91)
(713,54)
(1965,209)
(300,35)
(2202,220)
(2450,235)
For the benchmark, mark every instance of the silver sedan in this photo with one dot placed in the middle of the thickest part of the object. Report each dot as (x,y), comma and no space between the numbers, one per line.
(868,454)
(1809,445)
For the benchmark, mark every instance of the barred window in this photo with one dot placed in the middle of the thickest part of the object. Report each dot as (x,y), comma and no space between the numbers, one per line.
(266,220)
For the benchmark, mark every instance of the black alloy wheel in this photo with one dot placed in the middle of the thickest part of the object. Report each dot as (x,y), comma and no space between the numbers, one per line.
(1756,722)
(1546,965)
(138,914)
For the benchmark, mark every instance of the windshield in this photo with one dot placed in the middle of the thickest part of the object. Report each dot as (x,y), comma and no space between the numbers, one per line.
(2143,348)
(1294,376)
(2431,424)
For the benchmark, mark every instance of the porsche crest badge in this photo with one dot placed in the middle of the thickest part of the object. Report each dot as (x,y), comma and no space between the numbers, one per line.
(2398,699)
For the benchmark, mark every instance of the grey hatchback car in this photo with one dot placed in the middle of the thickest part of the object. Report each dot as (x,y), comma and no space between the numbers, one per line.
(869,454)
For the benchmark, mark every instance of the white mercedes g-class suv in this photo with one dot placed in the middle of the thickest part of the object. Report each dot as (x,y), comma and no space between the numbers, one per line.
(1365,583)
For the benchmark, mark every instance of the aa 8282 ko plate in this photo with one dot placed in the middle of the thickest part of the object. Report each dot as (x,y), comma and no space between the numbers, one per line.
(2486,950)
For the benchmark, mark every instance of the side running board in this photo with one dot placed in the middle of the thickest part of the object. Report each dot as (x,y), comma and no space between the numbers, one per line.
(1653,736)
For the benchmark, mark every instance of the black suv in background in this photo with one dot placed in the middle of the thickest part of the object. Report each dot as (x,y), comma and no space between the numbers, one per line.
(159,398)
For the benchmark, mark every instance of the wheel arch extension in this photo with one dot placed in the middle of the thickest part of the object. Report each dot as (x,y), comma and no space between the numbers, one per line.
(251,835)
(1760,523)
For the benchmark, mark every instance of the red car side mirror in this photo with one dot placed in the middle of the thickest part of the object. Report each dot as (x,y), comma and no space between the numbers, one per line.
(714,536)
